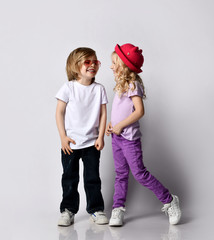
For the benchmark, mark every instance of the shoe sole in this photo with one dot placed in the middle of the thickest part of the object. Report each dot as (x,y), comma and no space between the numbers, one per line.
(60,225)
(67,225)
(115,224)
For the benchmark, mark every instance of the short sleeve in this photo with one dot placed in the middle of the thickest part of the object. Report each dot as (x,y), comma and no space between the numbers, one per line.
(138,91)
(63,93)
(104,96)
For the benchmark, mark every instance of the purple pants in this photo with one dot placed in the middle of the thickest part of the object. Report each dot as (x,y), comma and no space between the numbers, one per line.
(128,155)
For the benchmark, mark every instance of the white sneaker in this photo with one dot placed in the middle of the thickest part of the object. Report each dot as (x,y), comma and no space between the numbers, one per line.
(99,218)
(173,210)
(117,216)
(66,219)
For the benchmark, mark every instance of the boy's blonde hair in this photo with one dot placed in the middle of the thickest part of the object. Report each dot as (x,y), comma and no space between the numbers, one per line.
(125,77)
(75,60)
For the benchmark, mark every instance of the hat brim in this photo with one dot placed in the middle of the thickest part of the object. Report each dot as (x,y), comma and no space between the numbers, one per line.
(126,60)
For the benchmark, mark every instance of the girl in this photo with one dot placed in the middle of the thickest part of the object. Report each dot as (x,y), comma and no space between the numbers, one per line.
(81,120)
(124,127)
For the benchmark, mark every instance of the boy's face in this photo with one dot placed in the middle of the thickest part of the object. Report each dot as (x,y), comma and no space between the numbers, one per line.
(89,68)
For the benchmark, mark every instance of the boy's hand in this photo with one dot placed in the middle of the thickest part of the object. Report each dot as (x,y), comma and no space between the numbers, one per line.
(65,142)
(109,129)
(99,144)
(117,129)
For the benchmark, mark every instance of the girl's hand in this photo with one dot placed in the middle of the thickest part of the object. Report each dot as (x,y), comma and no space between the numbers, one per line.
(109,129)
(99,144)
(65,142)
(117,129)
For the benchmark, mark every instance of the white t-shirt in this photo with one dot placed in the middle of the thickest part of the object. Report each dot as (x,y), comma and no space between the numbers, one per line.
(82,111)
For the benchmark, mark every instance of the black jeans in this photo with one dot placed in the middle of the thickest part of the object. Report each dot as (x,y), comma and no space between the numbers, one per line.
(92,183)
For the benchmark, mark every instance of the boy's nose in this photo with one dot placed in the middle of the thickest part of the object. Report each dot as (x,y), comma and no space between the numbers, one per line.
(92,64)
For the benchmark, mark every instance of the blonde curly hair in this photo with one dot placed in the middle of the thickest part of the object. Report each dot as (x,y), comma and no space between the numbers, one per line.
(125,77)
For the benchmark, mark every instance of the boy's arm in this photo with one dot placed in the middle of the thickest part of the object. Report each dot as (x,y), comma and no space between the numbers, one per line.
(133,117)
(99,144)
(60,114)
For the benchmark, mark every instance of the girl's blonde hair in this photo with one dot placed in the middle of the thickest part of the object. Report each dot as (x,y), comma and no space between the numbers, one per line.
(125,77)
(75,60)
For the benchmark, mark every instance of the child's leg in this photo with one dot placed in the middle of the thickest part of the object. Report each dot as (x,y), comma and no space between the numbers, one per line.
(92,183)
(70,180)
(133,153)
(122,173)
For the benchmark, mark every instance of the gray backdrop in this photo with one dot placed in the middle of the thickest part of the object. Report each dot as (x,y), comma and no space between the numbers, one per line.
(177,41)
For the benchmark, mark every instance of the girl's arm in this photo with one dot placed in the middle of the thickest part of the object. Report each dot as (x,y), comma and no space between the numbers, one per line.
(109,129)
(60,114)
(135,116)
(99,144)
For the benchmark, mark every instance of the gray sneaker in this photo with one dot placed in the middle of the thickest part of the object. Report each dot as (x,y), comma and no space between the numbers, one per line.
(173,210)
(66,219)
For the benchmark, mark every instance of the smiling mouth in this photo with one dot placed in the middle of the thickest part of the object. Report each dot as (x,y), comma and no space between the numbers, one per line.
(91,70)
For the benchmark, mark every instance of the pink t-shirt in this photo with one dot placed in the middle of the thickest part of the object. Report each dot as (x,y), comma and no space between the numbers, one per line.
(122,107)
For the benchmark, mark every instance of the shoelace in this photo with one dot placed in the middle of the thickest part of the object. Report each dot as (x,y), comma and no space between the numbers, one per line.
(64,214)
(101,213)
(166,209)
(116,212)
(170,210)
(98,214)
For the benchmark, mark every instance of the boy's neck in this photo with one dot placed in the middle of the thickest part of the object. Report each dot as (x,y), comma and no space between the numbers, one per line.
(84,81)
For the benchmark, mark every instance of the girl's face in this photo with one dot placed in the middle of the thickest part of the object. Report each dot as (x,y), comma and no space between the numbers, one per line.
(114,66)
(89,68)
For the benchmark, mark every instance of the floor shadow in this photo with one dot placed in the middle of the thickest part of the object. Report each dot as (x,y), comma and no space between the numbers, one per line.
(141,216)
(186,220)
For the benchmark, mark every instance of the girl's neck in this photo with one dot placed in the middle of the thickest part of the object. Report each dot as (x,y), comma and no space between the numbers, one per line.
(84,81)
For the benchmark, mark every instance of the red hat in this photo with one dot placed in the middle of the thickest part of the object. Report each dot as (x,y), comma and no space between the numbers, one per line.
(131,56)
